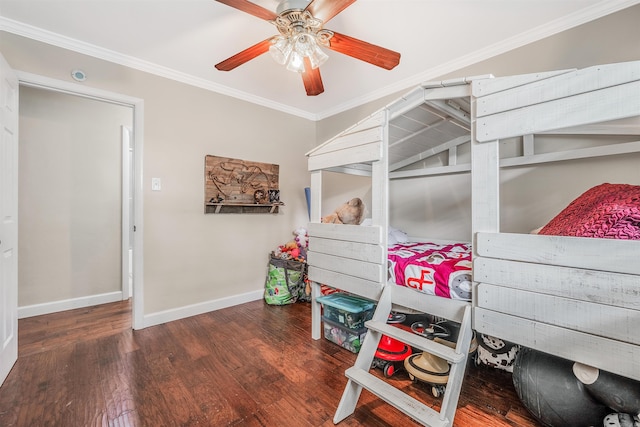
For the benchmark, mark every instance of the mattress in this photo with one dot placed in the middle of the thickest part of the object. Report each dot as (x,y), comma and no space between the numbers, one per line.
(432,268)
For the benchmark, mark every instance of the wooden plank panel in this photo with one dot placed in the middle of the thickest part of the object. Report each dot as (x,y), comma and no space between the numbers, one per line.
(621,290)
(349,140)
(597,106)
(599,319)
(618,256)
(360,154)
(344,282)
(579,153)
(436,305)
(351,267)
(604,353)
(374,120)
(360,251)
(448,92)
(345,232)
(481,88)
(565,85)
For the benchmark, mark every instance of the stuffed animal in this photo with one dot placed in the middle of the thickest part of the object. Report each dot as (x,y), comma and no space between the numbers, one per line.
(302,239)
(350,212)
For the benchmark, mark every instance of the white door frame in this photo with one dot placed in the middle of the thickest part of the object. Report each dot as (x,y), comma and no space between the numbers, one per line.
(137,104)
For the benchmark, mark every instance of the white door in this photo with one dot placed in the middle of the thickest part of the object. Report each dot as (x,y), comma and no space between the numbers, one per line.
(8,219)
(127,212)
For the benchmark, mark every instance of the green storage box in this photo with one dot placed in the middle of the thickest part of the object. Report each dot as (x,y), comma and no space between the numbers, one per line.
(347,310)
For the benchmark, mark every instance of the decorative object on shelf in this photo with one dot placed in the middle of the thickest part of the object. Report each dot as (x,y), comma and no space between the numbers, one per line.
(240,186)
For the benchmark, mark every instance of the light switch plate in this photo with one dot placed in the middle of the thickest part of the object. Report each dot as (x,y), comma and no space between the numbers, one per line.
(156,185)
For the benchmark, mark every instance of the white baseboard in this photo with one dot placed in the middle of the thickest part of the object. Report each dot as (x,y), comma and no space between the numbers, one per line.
(68,304)
(203,307)
(149,319)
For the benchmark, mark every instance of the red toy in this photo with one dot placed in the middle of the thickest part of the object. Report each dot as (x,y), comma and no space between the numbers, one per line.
(391,353)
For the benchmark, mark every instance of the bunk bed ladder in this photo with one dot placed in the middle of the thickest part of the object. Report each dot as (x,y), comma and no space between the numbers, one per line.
(359,376)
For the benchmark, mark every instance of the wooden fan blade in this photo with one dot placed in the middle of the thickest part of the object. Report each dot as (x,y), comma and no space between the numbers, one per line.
(311,79)
(327,9)
(244,56)
(364,51)
(250,8)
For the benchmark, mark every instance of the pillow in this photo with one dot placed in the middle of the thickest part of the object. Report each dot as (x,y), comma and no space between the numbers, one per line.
(610,211)
(394,236)
(397,236)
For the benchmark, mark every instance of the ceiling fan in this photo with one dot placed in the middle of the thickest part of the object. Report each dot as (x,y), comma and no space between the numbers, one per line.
(300,24)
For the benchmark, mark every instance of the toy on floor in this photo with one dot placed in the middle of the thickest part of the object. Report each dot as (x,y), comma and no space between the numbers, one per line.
(391,352)
(350,212)
(427,367)
(617,392)
(548,388)
(621,420)
(496,353)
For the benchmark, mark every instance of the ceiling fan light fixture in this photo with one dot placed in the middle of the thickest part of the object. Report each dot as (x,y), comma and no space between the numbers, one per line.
(318,57)
(295,62)
(300,37)
(280,49)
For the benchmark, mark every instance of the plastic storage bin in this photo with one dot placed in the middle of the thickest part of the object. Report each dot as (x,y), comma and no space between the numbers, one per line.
(344,337)
(347,310)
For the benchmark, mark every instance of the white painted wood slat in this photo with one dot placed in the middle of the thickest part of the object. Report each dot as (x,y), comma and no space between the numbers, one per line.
(365,288)
(397,398)
(360,154)
(416,341)
(613,356)
(364,270)
(346,232)
(578,153)
(374,120)
(350,140)
(360,251)
(618,256)
(611,103)
(564,85)
(616,289)
(481,88)
(602,320)
(438,306)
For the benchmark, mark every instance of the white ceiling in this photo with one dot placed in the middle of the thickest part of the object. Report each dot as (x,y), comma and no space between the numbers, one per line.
(184,39)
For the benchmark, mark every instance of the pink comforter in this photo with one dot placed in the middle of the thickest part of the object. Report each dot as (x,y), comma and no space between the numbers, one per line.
(610,211)
(435,269)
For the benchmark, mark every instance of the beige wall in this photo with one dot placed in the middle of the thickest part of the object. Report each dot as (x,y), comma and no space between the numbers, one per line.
(70,180)
(190,257)
(438,207)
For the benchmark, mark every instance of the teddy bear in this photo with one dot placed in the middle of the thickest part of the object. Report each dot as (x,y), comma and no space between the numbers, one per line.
(350,212)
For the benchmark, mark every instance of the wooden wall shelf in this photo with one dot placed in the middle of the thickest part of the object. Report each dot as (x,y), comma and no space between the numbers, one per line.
(242,208)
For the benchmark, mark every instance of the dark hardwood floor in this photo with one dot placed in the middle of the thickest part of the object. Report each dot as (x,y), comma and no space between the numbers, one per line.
(249,365)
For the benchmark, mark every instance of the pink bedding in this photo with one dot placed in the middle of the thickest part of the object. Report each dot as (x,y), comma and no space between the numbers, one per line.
(435,269)
(610,211)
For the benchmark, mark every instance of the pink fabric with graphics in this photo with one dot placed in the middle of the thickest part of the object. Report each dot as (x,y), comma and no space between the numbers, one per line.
(436,269)
(610,211)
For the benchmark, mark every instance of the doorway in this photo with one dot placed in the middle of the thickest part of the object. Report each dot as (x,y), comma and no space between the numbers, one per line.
(128,184)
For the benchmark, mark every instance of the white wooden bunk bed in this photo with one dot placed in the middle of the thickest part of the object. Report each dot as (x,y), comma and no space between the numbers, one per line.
(524,285)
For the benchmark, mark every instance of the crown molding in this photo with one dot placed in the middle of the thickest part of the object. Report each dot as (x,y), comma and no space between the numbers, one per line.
(599,10)
(58,40)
